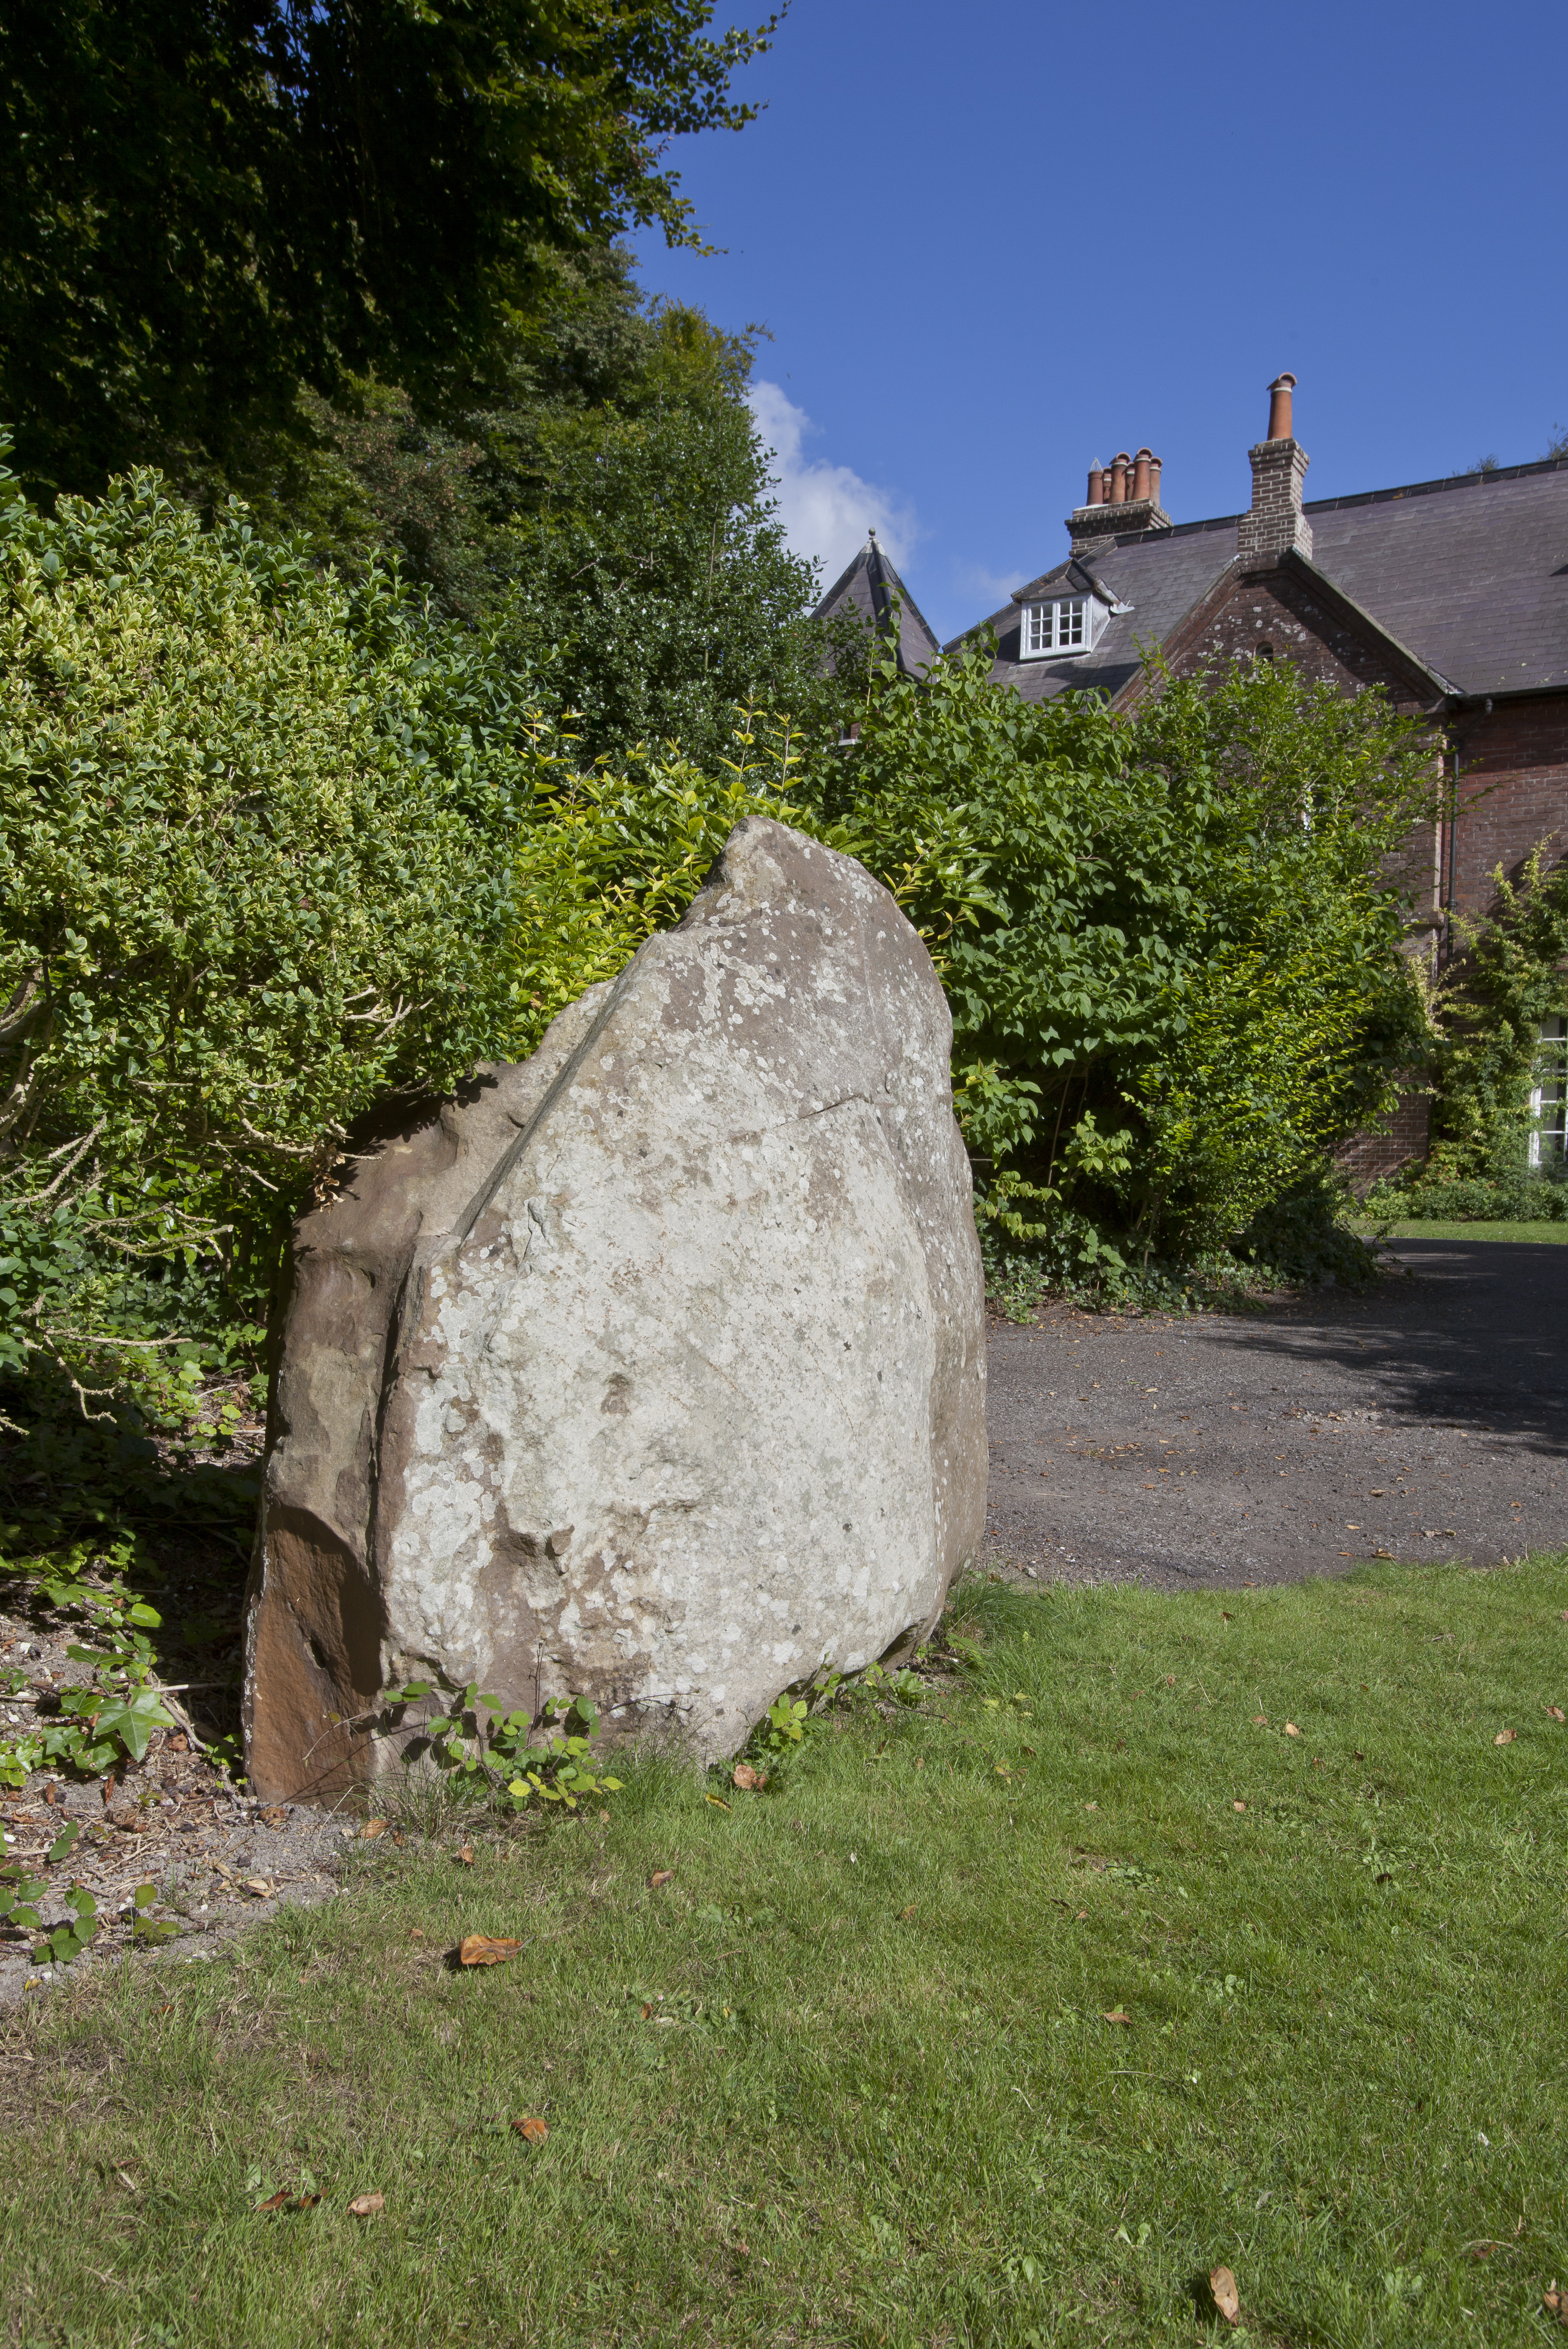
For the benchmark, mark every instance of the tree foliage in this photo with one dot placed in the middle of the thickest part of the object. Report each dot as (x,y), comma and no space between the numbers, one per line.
(205,203)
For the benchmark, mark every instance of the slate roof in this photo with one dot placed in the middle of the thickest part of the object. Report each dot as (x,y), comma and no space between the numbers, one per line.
(871,587)
(1471,575)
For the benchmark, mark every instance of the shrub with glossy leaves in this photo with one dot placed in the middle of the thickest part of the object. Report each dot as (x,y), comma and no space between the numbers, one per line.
(255,868)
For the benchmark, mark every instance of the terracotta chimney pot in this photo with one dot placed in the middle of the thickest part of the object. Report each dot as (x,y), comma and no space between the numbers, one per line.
(1281,426)
(1096,486)
(1140,473)
(1154,465)
(1118,465)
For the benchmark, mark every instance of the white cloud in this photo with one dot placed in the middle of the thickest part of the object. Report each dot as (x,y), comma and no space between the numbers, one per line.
(992,587)
(826,509)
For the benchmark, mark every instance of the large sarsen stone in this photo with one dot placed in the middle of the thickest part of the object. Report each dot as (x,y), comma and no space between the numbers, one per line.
(652,1368)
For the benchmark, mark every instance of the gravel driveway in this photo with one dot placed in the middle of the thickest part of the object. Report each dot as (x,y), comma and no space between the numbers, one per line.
(1425,1420)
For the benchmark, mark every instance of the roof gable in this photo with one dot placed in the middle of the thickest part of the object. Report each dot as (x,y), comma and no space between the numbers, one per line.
(870,589)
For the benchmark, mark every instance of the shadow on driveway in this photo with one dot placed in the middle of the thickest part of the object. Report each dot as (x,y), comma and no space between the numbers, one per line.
(1424,1420)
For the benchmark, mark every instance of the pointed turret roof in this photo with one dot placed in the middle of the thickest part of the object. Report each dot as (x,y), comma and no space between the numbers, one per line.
(872,589)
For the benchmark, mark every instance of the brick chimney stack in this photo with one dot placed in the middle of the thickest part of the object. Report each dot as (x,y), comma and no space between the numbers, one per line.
(1276,524)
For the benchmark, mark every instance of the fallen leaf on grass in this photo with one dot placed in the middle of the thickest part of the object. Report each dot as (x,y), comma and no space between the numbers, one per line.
(1260,1720)
(485,1950)
(660,1876)
(1556,1712)
(1227,2299)
(415,1932)
(750,1781)
(1117,2014)
(718,1803)
(365,2206)
(1556,2305)
(1291,1729)
(907,1913)
(1505,1737)
(1238,1806)
(273,2202)
(467,1855)
(372,1828)
(286,2201)
(534,2130)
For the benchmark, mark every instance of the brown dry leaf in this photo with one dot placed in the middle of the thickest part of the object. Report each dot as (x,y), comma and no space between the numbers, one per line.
(1082,1917)
(660,1876)
(1505,1737)
(306,2201)
(907,1913)
(1170,1680)
(533,2130)
(180,1744)
(1291,1731)
(273,2202)
(372,1828)
(1224,1618)
(1117,2014)
(1556,1712)
(485,1950)
(467,1855)
(1238,1806)
(260,1885)
(415,1932)
(365,2206)
(647,2012)
(750,1781)
(1556,2305)
(1227,2299)
(1260,1720)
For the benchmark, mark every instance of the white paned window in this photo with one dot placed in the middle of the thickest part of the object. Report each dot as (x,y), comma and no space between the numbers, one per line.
(1071,624)
(1549,1097)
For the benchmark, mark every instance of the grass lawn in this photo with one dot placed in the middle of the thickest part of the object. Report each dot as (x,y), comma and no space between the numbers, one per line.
(999,2018)
(1549,1234)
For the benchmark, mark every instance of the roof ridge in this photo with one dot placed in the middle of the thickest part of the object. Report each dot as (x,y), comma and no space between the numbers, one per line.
(1444,481)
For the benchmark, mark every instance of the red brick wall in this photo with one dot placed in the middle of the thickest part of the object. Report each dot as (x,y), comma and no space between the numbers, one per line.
(1365,1158)
(1514,792)
(1274,609)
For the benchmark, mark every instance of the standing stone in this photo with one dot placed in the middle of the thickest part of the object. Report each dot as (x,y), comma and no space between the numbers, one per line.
(651,1368)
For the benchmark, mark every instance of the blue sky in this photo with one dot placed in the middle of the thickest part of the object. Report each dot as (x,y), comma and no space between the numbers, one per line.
(994,242)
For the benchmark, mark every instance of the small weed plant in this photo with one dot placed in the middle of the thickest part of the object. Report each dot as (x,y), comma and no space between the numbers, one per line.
(112,1713)
(501,1755)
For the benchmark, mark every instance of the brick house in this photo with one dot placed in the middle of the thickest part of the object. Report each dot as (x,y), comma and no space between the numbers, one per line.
(1452,594)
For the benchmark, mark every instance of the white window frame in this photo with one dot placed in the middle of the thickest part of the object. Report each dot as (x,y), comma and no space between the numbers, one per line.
(1045,630)
(1549,1097)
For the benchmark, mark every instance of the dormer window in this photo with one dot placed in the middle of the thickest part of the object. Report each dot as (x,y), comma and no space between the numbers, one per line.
(1071,624)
